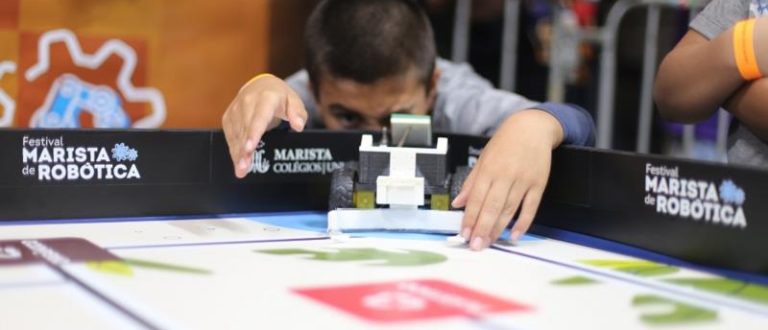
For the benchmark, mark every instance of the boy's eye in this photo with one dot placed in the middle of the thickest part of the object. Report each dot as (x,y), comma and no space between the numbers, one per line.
(348,119)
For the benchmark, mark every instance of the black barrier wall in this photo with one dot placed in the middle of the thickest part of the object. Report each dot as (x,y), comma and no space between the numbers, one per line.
(705,213)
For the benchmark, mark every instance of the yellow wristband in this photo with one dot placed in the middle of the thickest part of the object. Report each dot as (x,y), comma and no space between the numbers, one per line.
(744,50)
(259,76)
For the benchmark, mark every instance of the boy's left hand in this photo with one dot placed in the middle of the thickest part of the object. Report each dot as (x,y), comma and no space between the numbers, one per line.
(513,170)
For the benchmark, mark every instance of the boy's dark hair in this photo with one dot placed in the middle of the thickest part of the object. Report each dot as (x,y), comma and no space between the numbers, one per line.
(366,40)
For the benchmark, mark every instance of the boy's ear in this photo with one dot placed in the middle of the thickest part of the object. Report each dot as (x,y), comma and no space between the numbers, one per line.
(310,88)
(432,96)
(435,79)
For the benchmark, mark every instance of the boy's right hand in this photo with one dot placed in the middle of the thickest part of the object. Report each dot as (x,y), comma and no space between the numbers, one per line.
(259,106)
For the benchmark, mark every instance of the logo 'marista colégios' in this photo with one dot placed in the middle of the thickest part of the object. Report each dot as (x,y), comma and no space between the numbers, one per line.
(294,160)
(694,199)
(50,159)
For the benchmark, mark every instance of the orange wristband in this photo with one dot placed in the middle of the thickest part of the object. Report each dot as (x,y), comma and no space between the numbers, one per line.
(744,50)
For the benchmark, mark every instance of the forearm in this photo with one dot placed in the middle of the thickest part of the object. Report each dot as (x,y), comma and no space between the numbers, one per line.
(750,105)
(761,44)
(700,75)
(540,124)
(697,77)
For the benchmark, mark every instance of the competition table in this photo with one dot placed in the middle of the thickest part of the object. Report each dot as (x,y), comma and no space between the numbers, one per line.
(150,230)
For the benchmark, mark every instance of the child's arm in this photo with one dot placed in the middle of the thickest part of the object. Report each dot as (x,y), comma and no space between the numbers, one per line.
(700,75)
(259,106)
(512,173)
(513,170)
(696,77)
(748,104)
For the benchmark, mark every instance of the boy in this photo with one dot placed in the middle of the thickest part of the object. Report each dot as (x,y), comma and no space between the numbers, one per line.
(720,63)
(367,59)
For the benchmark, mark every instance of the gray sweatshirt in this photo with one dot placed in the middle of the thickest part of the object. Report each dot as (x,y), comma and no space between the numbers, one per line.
(468,104)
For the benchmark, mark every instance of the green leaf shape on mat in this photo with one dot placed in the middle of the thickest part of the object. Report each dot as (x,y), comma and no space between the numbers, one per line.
(112,267)
(643,268)
(166,267)
(575,280)
(375,256)
(738,289)
(681,313)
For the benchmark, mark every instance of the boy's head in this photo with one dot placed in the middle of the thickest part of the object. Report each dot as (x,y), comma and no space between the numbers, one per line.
(369,58)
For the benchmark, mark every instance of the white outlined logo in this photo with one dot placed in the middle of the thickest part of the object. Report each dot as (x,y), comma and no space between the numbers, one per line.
(101,100)
(7,104)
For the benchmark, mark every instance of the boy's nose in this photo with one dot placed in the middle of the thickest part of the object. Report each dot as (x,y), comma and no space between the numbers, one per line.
(374,126)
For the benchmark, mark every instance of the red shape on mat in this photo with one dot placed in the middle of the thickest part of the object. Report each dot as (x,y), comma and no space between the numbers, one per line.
(411,300)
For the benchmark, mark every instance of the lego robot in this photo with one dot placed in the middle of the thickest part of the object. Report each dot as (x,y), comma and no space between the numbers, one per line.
(391,183)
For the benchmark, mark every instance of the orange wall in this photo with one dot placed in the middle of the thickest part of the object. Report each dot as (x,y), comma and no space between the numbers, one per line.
(195,53)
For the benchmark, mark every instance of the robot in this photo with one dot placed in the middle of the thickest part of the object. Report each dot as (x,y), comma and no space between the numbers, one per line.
(409,174)
(69,97)
(392,183)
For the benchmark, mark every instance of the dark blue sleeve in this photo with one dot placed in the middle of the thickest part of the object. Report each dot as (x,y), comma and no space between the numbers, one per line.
(578,126)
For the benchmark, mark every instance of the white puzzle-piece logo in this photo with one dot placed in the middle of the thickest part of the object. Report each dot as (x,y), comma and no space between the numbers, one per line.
(69,96)
(7,104)
(9,253)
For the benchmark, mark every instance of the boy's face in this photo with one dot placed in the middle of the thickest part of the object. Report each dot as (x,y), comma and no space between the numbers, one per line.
(346,104)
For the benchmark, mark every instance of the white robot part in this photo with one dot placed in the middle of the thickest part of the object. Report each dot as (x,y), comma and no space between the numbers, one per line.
(401,177)
(401,188)
(366,145)
(425,221)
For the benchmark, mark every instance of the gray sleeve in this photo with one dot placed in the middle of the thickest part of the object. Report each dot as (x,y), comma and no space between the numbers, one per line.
(720,15)
(477,111)
(468,104)
(299,82)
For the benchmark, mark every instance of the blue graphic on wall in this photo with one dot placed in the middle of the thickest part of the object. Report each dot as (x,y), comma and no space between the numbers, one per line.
(70,97)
